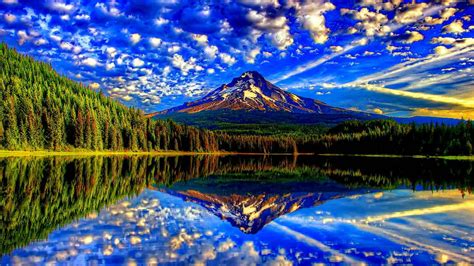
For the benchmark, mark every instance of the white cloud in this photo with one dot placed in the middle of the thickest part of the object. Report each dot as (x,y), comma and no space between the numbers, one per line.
(108,9)
(211,51)
(82,17)
(444,15)
(378,111)
(372,23)
(174,49)
(276,28)
(9,18)
(227,59)
(10,2)
(160,21)
(110,66)
(135,38)
(410,13)
(60,6)
(89,61)
(413,36)
(440,50)
(200,38)
(252,54)
(185,66)
(94,85)
(392,48)
(261,3)
(137,62)
(336,49)
(460,42)
(166,71)
(155,42)
(311,16)
(41,41)
(210,71)
(22,37)
(66,46)
(111,52)
(456,27)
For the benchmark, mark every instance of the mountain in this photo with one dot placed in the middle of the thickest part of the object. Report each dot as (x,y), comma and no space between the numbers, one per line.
(250,213)
(251,200)
(251,92)
(251,99)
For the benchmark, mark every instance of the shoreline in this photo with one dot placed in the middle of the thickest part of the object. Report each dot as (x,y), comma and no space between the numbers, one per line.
(7,153)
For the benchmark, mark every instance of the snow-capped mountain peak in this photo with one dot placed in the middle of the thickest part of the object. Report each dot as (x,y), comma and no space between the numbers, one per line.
(252,92)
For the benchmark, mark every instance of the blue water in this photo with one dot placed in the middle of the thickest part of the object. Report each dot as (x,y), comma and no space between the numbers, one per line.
(398,226)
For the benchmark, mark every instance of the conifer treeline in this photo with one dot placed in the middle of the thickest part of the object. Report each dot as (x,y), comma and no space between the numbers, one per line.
(390,137)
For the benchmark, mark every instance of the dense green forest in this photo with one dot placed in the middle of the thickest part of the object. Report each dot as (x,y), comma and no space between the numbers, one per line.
(42,110)
(390,137)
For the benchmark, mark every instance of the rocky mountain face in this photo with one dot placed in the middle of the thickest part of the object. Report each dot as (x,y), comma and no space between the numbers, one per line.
(252,92)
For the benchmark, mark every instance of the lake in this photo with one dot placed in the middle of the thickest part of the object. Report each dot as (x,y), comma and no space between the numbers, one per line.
(236,210)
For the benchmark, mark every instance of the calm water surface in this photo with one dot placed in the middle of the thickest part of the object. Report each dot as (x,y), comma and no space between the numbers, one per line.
(235,210)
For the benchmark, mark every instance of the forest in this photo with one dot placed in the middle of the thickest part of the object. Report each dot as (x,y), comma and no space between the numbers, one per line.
(42,110)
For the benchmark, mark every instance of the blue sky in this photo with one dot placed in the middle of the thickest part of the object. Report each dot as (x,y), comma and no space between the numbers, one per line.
(393,57)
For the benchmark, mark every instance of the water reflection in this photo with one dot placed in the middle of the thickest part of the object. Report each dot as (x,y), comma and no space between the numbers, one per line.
(236,209)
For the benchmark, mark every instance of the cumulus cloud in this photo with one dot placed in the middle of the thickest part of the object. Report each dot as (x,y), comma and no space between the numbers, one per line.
(261,3)
(440,50)
(372,23)
(94,85)
(185,65)
(211,51)
(277,28)
(59,6)
(155,42)
(227,59)
(252,54)
(378,111)
(200,38)
(137,62)
(311,16)
(413,36)
(410,13)
(456,27)
(444,15)
(40,41)
(89,61)
(9,18)
(458,42)
(135,38)
(336,49)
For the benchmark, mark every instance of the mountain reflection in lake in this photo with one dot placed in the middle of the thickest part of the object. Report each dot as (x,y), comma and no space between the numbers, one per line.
(236,210)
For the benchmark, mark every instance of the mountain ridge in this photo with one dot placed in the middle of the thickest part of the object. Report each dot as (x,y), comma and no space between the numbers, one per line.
(252,92)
